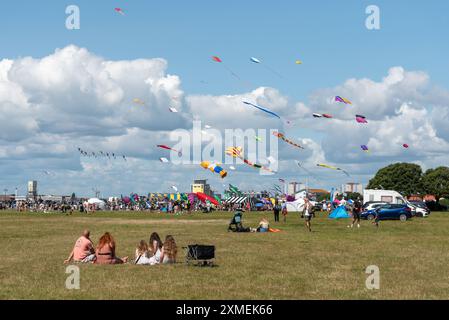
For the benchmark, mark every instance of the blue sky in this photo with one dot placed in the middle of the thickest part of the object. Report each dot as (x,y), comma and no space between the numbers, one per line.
(330,38)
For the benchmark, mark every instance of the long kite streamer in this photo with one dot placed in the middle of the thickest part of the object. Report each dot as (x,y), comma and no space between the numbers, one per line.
(332,168)
(282,136)
(237,152)
(262,109)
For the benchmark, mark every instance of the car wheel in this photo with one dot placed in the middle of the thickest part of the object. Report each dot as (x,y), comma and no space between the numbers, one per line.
(403,217)
(370,217)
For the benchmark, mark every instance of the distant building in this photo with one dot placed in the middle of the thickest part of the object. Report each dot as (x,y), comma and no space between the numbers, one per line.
(201,186)
(352,187)
(293,188)
(32,189)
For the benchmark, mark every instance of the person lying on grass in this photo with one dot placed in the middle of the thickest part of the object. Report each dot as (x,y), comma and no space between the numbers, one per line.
(143,253)
(169,251)
(106,251)
(83,251)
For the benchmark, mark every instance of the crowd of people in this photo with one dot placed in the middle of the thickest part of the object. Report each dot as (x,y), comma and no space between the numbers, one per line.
(152,252)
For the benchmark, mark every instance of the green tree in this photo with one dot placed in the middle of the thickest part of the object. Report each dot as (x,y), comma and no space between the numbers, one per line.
(405,178)
(436,182)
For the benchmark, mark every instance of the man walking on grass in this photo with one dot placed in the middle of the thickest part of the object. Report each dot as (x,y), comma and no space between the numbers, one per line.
(307,212)
(356,211)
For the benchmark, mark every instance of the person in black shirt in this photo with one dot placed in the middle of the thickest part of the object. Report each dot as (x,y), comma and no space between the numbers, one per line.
(356,211)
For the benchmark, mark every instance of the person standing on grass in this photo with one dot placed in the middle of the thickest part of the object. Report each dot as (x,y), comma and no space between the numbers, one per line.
(356,211)
(276,209)
(284,211)
(83,251)
(377,217)
(307,212)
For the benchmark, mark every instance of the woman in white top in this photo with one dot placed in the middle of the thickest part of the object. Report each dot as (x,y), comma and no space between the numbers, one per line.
(155,248)
(142,254)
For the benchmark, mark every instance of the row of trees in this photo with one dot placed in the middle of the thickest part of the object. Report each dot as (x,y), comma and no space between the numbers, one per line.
(409,179)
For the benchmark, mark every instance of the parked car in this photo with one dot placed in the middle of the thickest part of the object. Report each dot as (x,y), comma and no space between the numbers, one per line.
(373,205)
(419,208)
(389,212)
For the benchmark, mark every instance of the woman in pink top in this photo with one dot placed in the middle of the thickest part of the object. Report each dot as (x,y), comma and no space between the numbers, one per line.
(83,251)
(106,251)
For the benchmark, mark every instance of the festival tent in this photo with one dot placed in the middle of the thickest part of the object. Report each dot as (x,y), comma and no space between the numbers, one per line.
(339,213)
(204,197)
(98,203)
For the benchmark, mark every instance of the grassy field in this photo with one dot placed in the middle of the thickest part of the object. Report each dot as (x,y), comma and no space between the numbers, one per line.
(328,263)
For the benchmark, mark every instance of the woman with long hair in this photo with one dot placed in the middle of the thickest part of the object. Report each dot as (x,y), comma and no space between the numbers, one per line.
(155,246)
(105,251)
(169,250)
(142,253)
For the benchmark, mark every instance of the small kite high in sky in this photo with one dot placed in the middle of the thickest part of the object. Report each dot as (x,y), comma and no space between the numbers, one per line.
(406,146)
(120,10)
(332,168)
(319,115)
(173,110)
(360,119)
(218,60)
(262,109)
(282,136)
(298,62)
(174,188)
(162,146)
(343,100)
(258,61)
(164,160)
(364,148)
(328,116)
(138,101)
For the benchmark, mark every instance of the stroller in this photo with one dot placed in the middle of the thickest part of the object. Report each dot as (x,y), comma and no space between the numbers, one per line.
(200,255)
(236,223)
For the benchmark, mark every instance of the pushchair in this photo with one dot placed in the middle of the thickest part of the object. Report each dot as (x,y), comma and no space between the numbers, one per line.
(201,255)
(236,223)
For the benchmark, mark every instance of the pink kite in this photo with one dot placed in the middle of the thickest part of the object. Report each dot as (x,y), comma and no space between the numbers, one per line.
(405,145)
(216,59)
(119,10)
(360,119)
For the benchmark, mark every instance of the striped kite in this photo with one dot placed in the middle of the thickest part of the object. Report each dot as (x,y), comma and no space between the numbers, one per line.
(343,100)
(237,152)
(282,136)
(332,168)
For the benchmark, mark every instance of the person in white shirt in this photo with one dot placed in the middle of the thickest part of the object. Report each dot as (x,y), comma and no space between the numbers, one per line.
(307,212)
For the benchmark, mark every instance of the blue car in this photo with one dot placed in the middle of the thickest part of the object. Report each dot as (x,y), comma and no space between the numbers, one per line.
(389,212)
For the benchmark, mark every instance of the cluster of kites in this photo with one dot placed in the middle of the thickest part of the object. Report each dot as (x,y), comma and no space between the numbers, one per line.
(236,151)
(100,154)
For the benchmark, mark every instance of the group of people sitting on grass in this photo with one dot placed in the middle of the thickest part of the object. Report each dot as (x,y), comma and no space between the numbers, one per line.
(152,253)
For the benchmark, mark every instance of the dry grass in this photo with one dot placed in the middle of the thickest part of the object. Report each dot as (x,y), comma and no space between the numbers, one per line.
(328,263)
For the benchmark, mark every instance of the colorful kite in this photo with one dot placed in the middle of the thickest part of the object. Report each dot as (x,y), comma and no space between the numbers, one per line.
(217,59)
(343,100)
(364,148)
(298,62)
(262,109)
(138,101)
(328,116)
(255,60)
(120,10)
(332,168)
(169,148)
(282,136)
(360,119)
(406,146)
(237,152)
(214,168)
